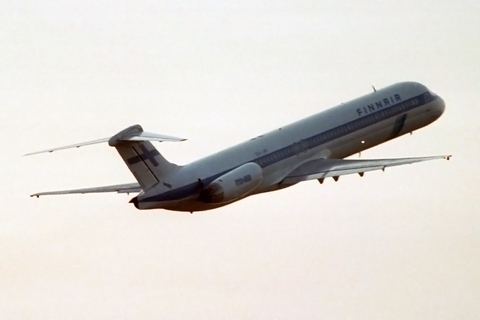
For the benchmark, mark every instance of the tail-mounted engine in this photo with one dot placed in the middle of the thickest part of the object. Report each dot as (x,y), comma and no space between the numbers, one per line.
(233,185)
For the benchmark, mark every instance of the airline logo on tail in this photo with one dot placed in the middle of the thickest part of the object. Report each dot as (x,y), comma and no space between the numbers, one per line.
(146,155)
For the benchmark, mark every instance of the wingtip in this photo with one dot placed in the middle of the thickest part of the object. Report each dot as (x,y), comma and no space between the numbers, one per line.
(37,152)
(29,154)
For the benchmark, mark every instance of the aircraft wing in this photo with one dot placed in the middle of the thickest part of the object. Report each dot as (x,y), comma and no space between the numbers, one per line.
(325,168)
(119,188)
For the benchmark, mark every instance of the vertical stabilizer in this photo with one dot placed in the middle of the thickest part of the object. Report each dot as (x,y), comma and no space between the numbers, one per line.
(144,161)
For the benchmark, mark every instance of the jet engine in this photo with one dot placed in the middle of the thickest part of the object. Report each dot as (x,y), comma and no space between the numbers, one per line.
(233,184)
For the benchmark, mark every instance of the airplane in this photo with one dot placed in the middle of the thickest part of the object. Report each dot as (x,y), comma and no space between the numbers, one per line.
(311,148)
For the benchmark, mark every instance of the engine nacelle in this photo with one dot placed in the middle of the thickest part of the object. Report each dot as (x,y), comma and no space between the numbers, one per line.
(233,185)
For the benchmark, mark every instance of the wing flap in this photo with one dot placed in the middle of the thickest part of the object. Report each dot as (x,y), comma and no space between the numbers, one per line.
(119,188)
(325,168)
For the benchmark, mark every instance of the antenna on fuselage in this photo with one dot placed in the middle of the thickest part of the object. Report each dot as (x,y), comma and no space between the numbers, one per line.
(374,90)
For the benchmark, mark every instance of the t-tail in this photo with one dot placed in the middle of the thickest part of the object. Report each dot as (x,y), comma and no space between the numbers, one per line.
(144,161)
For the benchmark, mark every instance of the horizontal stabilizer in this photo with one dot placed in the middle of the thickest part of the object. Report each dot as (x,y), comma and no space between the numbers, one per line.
(149,136)
(119,188)
(138,136)
(71,146)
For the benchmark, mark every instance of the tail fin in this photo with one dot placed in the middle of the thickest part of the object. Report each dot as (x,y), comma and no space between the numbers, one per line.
(134,146)
(141,157)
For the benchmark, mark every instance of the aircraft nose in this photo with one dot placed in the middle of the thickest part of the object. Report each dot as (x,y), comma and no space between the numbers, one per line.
(437,107)
(440,106)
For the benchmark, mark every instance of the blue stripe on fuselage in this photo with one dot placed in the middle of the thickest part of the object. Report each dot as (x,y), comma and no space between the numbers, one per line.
(304,145)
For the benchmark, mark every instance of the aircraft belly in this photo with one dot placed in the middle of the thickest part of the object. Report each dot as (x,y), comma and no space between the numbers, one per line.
(182,205)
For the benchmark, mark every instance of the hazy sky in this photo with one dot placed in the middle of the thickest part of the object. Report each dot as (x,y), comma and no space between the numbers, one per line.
(403,244)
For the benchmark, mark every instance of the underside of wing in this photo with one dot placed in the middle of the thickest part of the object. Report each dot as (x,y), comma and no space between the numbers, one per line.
(119,188)
(325,168)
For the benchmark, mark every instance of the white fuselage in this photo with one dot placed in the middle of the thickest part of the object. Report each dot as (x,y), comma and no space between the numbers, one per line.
(336,133)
